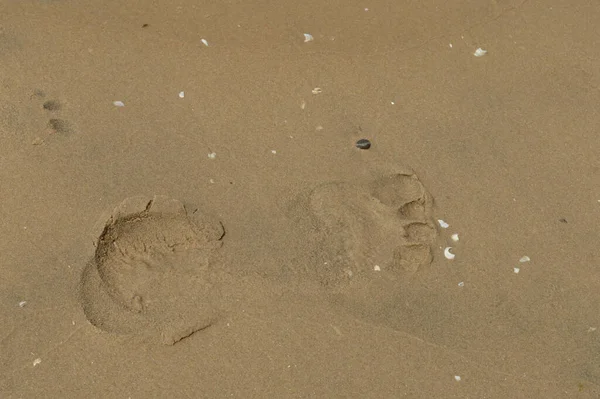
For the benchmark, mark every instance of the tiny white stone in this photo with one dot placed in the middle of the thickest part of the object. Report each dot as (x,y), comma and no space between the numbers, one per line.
(457,377)
(454,237)
(308,38)
(516,270)
(212,155)
(181,94)
(377,268)
(443,224)
(525,259)
(450,45)
(37,361)
(479,52)
(448,254)
(317,90)
(273,152)
(461,284)
(205,42)
(118,103)
(22,304)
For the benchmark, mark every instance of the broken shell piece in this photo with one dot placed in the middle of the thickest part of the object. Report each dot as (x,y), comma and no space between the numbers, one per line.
(118,103)
(308,37)
(205,42)
(212,155)
(317,90)
(516,270)
(457,377)
(37,361)
(443,224)
(525,259)
(377,268)
(479,52)
(22,304)
(181,94)
(448,254)
(454,237)
(461,284)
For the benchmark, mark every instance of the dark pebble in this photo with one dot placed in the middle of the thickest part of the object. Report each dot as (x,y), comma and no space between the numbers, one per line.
(363,144)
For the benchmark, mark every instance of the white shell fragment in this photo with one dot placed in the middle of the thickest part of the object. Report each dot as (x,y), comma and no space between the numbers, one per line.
(525,259)
(212,155)
(448,254)
(443,224)
(308,37)
(22,304)
(479,52)
(516,270)
(181,94)
(317,90)
(118,103)
(457,377)
(37,361)
(377,268)
(454,237)
(461,284)
(205,42)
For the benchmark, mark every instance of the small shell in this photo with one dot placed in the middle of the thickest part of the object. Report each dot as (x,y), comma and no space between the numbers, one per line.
(308,38)
(516,270)
(317,90)
(448,254)
(181,94)
(205,42)
(525,259)
(377,268)
(443,224)
(479,52)
(118,103)
(454,237)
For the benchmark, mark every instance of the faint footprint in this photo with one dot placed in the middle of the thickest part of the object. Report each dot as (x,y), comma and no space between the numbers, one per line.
(55,125)
(358,228)
(151,274)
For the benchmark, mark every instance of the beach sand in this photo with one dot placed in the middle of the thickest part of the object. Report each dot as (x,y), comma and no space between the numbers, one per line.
(185,213)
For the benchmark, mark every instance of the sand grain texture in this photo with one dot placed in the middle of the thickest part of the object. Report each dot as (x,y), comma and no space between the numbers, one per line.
(291,264)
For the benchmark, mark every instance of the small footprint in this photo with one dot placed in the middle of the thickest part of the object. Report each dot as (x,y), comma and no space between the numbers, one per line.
(358,228)
(55,125)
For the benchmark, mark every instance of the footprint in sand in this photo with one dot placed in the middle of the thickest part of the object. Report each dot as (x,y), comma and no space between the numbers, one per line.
(356,229)
(151,274)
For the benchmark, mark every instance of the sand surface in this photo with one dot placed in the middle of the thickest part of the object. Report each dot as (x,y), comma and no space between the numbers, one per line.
(221,236)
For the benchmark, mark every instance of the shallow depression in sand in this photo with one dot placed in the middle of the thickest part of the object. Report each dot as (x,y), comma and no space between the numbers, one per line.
(355,228)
